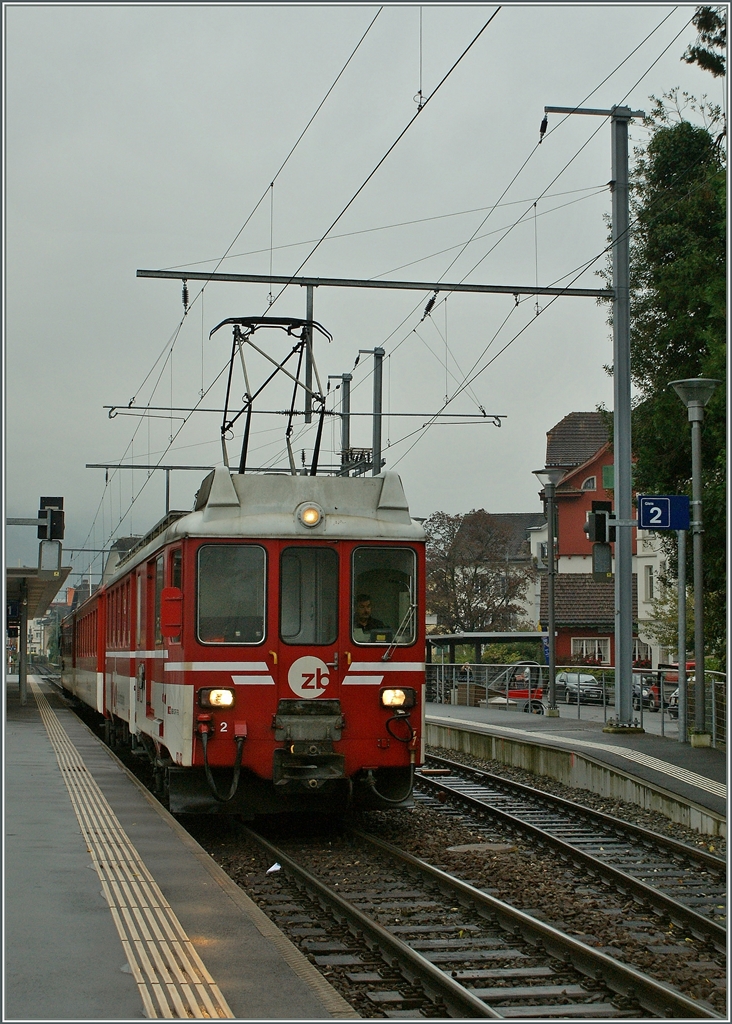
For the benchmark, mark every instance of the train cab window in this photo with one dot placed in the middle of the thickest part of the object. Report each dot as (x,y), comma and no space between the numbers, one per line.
(309,595)
(382,596)
(231,594)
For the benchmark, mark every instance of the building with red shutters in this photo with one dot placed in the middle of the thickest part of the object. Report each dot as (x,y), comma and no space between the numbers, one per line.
(580,444)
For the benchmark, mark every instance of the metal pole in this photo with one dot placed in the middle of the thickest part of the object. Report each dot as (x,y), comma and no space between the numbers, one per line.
(23,645)
(309,355)
(346,415)
(420,286)
(550,488)
(696,414)
(621,420)
(681,645)
(376,442)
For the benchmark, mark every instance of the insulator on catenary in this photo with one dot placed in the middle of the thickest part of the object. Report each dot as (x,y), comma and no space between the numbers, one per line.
(542,129)
(428,307)
(185,296)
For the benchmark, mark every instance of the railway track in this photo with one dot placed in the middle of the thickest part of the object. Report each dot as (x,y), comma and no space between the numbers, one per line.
(402,939)
(685,884)
(415,941)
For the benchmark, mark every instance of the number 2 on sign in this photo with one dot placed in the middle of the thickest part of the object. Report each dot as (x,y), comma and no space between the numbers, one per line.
(656,514)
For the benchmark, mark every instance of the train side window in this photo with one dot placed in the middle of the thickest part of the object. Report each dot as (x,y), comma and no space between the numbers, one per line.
(309,595)
(382,596)
(139,622)
(159,584)
(176,569)
(231,594)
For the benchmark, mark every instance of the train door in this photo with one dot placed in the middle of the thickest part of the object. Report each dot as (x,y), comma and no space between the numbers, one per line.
(309,655)
(156,579)
(139,633)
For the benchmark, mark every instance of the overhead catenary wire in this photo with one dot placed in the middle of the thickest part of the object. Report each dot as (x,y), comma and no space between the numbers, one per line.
(273,180)
(172,340)
(586,266)
(533,151)
(392,147)
(397,327)
(569,162)
(372,173)
(384,227)
(469,380)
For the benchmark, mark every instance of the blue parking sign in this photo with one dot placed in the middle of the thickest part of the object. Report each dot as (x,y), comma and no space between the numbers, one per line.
(663,512)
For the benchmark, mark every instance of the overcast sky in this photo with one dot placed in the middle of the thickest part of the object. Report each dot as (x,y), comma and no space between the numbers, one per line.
(145,136)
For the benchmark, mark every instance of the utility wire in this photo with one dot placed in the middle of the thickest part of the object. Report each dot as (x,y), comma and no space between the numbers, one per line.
(391,148)
(384,227)
(272,182)
(469,381)
(168,347)
(532,152)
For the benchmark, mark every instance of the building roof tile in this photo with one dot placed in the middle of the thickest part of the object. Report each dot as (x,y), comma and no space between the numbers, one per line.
(580,601)
(575,439)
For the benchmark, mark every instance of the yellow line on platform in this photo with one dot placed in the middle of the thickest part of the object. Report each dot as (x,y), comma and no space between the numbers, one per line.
(163,960)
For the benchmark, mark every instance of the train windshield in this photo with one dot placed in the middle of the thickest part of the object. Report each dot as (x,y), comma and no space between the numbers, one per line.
(231,594)
(309,596)
(382,598)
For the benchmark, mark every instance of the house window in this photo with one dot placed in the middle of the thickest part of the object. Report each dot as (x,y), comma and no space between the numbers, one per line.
(590,484)
(592,649)
(641,654)
(650,583)
(544,552)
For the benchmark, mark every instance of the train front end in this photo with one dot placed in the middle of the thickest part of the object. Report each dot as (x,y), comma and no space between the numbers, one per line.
(292,617)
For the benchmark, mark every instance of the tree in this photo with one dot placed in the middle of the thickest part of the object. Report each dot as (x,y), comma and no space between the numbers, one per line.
(475,577)
(678,320)
(711,24)
(663,627)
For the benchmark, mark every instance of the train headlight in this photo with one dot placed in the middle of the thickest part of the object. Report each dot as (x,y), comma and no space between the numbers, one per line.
(405,697)
(216,697)
(310,514)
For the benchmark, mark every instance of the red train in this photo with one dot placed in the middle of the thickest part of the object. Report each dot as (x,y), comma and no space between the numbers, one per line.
(267,648)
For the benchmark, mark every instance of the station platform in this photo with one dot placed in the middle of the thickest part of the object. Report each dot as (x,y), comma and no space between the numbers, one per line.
(112,912)
(695,775)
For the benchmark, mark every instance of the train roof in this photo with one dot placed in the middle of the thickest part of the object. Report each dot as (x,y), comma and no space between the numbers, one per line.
(253,505)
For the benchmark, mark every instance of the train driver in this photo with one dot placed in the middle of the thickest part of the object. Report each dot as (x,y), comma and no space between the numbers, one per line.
(363,620)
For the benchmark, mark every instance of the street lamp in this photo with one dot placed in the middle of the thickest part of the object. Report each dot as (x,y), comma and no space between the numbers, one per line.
(549,478)
(695,393)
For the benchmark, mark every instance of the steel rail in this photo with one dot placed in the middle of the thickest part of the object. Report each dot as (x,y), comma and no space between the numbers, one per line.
(653,995)
(675,845)
(457,998)
(699,925)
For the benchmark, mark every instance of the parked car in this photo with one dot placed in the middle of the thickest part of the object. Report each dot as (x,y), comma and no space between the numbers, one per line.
(646,689)
(588,687)
(673,704)
(521,685)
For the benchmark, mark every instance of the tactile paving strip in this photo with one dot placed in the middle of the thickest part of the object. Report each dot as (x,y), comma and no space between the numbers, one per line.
(171,977)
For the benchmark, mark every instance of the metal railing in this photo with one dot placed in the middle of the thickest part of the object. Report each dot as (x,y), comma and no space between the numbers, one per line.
(497,686)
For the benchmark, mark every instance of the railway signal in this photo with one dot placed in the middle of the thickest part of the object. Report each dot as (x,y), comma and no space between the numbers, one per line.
(51,519)
(602,535)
